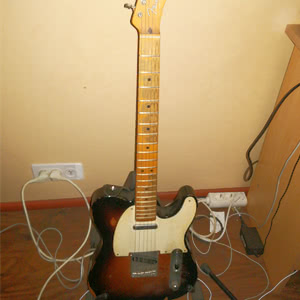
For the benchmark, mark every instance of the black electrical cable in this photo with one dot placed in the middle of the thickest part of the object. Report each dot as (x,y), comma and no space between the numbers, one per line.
(249,172)
(198,218)
(284,193)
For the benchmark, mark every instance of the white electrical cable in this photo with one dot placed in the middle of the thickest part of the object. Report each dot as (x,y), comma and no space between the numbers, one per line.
(277,185)
(267,277)
(210,293)
(230,260)
(84,294)
(55,175)
(42,178)
(192,234)
(278,284)
(214,218)
(201,237)
(40,239)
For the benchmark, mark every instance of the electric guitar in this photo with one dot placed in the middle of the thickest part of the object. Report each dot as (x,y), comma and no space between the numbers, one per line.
(143,253)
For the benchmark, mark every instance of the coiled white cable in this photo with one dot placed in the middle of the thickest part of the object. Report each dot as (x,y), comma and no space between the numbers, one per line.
(55,175)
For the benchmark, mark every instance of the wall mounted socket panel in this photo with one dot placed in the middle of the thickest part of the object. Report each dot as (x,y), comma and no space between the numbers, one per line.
(221,216)
(69,170)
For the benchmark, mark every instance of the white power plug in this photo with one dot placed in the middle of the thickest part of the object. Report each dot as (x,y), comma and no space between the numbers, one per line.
(221,200)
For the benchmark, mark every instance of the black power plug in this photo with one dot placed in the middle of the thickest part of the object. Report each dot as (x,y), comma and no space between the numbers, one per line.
(251,240)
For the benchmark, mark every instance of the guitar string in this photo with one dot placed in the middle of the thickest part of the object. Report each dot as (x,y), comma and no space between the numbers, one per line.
(152,96)
(153,233)
(145,138)
(152,106)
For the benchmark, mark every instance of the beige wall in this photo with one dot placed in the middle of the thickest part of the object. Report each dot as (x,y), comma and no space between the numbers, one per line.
(69,89)
(1,87)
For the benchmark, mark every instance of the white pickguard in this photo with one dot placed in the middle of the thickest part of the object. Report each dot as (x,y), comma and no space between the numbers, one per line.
(168,235)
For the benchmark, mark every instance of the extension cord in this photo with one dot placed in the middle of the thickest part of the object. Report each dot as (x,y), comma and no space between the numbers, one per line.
(223,200)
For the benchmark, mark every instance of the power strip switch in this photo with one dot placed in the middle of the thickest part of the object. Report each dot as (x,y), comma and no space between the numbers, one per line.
(222,200)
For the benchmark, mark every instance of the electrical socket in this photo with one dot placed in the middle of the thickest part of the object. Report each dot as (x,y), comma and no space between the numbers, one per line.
(69,170)
(221,216)
(220,200)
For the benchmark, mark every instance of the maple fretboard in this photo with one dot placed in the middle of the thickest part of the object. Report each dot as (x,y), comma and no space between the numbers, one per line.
(147,127)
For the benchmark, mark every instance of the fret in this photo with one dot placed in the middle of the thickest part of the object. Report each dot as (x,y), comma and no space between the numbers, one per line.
(146,218)
(143,212)
(148,112)
(146,186)
(149,55)
(149,36)
(143,219)
(138,180)
(145,152)
(154,133)
(154,123)
(146,72)
(145,174)
(154,143)
(153,100)
(147,207)
(154,159)
(148,87)
(147,167)
(146,192)
(148,202)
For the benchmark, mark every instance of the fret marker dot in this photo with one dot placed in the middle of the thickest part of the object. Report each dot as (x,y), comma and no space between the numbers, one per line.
(148,128)
(148,106)
(149,79)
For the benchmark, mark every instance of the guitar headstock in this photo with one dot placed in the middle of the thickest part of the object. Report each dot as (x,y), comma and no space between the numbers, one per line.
(147,15)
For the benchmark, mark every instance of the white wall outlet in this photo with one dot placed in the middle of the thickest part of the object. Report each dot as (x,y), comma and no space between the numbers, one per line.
(69,170)
(220,200)
(221,216)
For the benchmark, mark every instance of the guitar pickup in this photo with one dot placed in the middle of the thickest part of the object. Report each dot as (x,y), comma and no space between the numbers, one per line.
(145,226)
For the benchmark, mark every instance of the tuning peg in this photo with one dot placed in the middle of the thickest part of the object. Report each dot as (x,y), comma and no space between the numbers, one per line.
(129,6)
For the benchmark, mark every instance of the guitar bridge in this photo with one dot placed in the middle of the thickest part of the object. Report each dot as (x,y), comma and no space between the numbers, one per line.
(144,264)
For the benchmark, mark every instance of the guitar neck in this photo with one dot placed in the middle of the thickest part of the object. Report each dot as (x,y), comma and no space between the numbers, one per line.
(147,127)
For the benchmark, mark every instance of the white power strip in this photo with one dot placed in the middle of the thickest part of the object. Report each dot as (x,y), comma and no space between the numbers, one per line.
(222,200)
